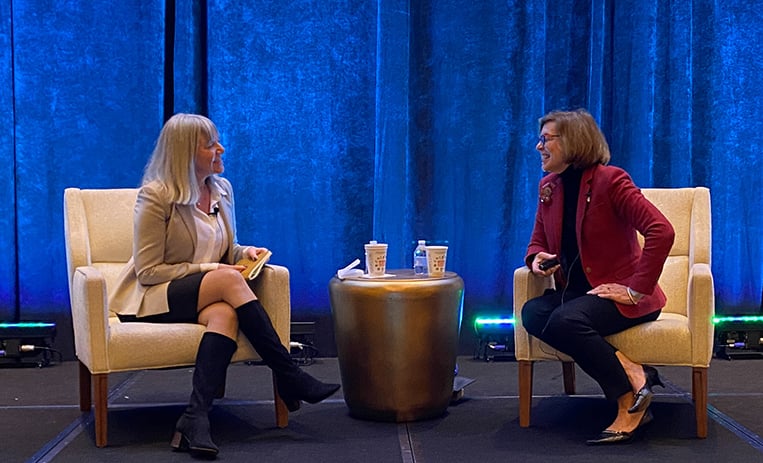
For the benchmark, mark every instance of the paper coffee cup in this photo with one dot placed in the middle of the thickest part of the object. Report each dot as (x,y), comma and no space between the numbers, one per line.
(376,259)
(436,256)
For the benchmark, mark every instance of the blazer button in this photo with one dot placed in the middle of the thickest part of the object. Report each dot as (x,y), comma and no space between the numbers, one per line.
(588,269)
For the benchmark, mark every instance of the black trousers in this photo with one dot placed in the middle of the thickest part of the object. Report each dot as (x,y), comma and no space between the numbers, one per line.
(576,324)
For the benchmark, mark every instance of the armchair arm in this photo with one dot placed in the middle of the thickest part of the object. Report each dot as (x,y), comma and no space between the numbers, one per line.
(90,318)
(273,289)
(527,285)
(700,310)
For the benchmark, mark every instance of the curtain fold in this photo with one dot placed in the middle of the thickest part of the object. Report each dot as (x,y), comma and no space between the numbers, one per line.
(186,57)
(395,180)
(8,269)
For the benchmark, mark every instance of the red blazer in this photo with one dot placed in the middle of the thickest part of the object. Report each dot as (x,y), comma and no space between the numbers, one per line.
(610,211)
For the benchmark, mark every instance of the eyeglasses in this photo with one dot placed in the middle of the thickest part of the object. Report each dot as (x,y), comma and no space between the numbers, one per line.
(544,138)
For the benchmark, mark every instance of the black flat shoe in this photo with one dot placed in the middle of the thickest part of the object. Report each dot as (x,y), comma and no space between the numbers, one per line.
(643,398)
(608,437)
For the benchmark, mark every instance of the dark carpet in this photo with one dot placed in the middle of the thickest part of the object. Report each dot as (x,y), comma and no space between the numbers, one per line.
(40,419)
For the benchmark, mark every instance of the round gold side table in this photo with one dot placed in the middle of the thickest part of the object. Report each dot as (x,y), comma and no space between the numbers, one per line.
(397,342)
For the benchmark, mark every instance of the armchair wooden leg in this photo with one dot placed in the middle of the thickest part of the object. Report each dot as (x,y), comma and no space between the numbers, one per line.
(85,385)
(101,409)
(699,392)
(282,413)
(568,373)
(525,392)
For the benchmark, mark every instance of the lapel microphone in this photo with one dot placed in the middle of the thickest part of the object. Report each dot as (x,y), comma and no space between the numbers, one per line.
(215,211)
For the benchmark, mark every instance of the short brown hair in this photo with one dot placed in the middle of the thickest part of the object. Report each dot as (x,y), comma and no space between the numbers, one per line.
(581,138)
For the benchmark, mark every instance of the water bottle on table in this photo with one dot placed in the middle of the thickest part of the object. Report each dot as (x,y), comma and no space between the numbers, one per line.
(420,258)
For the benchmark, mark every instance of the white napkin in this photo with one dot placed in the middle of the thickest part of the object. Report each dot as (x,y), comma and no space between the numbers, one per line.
(350,270)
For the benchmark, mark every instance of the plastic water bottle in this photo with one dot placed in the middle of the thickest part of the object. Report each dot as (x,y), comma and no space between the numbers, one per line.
(420,258)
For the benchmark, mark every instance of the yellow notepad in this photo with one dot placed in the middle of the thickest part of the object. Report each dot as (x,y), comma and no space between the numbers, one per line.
(254,267)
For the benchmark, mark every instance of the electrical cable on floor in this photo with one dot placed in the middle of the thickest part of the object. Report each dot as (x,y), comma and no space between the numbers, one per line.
(306,352)
(22,349)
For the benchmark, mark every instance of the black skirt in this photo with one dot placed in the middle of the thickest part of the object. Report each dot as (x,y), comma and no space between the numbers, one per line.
(182,299)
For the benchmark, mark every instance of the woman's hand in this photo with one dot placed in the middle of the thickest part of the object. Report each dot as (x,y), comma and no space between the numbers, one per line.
(252,252)
(540,258)
(240,268)
(615,292)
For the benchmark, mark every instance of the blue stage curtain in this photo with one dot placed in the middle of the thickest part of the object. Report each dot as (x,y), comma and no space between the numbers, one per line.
(291,86)
(457,94)
(87,105)
(673,85)
(8,271)
(390,120)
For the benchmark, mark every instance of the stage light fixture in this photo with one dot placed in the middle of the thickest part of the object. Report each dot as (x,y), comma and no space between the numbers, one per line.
(27,343)
(495,337)
(738,336)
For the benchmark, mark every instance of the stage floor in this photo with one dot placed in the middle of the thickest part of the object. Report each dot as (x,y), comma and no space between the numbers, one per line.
(40,419)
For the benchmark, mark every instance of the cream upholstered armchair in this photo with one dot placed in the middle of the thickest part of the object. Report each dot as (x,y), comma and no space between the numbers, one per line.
(98,226)
(682,335)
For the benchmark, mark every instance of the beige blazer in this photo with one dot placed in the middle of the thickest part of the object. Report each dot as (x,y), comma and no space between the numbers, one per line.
(164,244)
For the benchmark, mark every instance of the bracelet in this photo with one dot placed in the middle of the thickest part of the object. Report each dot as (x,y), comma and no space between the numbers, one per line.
(630,295)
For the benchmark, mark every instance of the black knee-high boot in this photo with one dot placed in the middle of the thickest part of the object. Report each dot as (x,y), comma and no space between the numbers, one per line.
(192,429)
(293,383)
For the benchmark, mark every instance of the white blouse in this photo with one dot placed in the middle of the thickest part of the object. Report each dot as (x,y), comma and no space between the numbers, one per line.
(211,238)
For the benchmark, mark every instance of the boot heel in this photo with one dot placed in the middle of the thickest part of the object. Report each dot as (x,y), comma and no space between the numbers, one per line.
(657,380)
(179,442)
(653,376)
(292,404)
(643,397)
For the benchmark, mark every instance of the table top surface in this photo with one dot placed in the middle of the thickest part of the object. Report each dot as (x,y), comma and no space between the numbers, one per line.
(405,274)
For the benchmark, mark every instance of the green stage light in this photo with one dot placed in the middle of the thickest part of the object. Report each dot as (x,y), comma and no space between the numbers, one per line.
(738,319)
(485,321)
(5,325)
(493,325)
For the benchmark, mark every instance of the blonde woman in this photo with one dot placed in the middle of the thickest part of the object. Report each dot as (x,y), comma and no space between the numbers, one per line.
(182,271)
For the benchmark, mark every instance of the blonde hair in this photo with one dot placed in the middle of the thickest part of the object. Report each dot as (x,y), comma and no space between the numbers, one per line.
(582,141)
(173,159)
